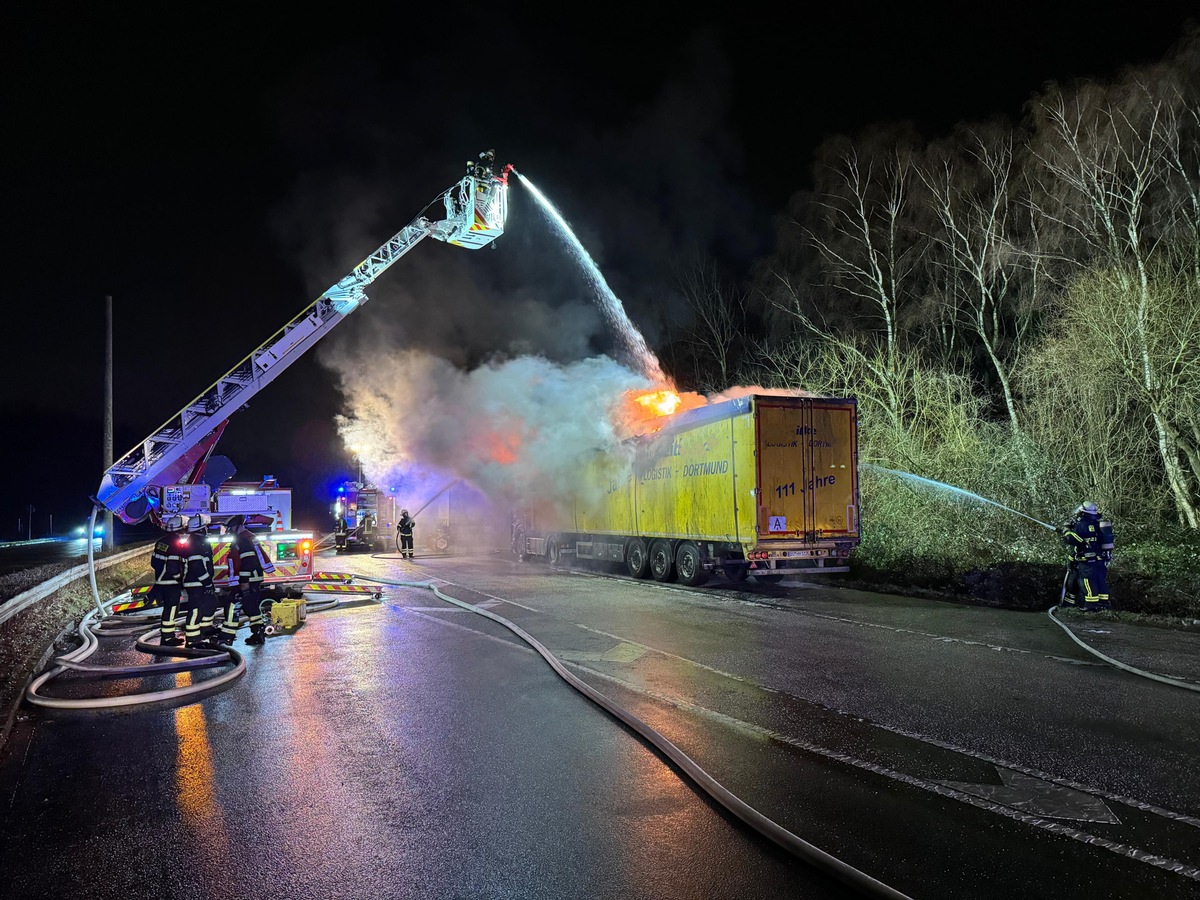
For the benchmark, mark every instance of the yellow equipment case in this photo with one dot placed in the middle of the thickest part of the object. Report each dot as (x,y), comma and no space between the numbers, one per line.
(287,614)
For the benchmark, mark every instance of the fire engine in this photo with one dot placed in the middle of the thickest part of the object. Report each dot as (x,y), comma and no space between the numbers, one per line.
(362,517)
(164,474)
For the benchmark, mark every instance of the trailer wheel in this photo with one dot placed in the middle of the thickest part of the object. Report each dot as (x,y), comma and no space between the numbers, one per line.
(662,561)
(689,565)
(637,560)
(553,554)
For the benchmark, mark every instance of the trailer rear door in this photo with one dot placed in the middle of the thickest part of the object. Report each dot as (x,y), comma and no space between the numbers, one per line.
(807,465)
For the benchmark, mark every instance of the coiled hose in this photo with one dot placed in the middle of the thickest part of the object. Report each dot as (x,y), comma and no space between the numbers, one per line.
(72,661)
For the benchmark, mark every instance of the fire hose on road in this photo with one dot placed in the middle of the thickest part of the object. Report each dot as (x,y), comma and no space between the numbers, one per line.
(811,854)
(1141,673)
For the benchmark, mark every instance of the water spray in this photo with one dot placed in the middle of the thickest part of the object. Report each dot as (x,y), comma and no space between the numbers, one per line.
(610,306)
(957,490)
(435,496)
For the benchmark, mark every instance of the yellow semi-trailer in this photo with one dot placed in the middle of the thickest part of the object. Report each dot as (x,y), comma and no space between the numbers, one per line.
(761,485)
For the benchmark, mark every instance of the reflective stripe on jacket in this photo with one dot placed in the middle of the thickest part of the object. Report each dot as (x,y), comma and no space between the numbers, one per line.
(246,561)
(199,560)
(166,561)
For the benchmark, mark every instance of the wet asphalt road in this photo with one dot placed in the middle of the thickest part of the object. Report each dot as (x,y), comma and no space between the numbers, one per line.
(18,555)
(408,748)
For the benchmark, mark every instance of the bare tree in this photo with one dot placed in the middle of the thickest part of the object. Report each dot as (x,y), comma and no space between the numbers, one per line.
(1182,156)
(867,248)
(862,253)
(1107,152)
(714,339)
(972,192)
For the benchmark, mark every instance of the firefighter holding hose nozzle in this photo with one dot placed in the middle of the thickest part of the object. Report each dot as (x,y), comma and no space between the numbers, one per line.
(1088,536)
(404,534)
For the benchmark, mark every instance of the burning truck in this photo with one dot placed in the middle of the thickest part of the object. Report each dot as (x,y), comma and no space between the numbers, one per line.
(762,484)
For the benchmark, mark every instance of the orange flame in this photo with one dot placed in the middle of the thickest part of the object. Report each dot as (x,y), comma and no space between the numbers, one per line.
(661,403)
(502,448)
(643,411)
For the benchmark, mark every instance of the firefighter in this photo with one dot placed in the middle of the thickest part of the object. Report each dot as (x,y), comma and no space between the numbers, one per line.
(367,533)
(1088,536)
(246,561)
(404,534)
(198,582)
(341,533)
(482,169)
(168,565)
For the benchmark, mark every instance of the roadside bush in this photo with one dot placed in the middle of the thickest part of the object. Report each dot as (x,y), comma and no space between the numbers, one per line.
(1155,572)
(935,540)
(932,429)
(25,637)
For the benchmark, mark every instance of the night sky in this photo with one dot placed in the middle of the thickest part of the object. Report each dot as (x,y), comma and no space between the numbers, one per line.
(215,173)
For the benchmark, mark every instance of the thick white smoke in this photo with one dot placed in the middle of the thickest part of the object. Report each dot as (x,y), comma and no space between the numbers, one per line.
(514,429)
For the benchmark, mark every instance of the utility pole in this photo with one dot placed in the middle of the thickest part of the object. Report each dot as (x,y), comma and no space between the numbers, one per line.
(32,509)
(108,417)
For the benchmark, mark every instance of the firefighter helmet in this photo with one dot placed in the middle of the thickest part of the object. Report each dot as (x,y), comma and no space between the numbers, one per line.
(175,523)
(404,512)
(1088,508)
(199,522)
(235,523)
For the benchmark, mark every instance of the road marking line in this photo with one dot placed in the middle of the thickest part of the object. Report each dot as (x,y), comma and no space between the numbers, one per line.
(1016,767)
(489,596)
(1025,770)
(1134,853)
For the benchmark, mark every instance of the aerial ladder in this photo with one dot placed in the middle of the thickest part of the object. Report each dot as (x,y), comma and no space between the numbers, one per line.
(176,453)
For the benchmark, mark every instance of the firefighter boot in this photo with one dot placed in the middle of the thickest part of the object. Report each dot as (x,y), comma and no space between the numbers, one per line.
(256,636)
(170,640)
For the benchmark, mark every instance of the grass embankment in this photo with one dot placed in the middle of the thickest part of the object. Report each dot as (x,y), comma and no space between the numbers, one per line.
(979,554)
(26,636)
